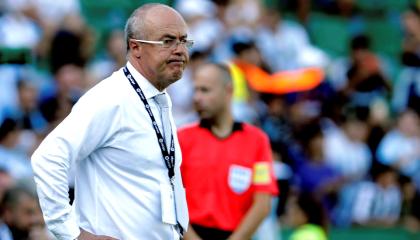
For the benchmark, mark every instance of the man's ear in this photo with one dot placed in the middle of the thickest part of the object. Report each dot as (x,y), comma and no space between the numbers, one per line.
(229,89)
(135,48)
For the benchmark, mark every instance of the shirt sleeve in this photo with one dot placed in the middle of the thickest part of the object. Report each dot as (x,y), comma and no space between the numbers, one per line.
(263,171)
(89,126)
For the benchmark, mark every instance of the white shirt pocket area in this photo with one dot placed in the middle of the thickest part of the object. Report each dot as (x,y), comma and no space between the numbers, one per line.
(239,179)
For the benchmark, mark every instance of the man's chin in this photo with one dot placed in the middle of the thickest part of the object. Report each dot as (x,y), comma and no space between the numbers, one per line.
(204,115)
(172,77)
(176,75)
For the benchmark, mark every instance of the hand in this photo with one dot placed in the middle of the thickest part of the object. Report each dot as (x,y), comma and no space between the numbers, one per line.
(84,235)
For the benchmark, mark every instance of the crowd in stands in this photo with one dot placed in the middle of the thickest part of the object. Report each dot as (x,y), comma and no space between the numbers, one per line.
(351,141)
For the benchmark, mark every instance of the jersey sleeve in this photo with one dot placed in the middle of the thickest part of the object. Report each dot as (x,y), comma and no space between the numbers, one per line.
(263,178)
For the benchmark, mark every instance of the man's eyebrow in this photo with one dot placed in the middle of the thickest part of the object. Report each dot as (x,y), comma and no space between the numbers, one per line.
(173,36)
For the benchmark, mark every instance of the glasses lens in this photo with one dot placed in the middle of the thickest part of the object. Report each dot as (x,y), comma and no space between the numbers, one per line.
(169,43)
(172,43)
(189,43)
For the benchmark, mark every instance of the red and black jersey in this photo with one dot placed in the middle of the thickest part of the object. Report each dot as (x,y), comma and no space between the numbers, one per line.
(222,175)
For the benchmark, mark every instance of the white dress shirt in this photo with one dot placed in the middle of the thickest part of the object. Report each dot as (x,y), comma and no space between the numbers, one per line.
(110,139)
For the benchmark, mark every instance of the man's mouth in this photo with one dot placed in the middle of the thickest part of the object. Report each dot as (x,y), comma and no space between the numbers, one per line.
(175,62)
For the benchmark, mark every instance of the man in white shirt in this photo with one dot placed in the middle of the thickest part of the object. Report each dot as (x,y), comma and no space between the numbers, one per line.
(127,157)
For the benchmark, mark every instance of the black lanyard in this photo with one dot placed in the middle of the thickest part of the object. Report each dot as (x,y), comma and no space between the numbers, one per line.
(168,154)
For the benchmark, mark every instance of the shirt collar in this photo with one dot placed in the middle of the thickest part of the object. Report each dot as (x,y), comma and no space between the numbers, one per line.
(237,126)
(148,89)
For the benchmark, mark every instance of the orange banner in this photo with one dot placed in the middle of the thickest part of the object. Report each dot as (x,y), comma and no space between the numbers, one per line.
(281,82)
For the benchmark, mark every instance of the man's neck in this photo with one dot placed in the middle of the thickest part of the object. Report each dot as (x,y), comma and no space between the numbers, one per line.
(145,74)
(222,127)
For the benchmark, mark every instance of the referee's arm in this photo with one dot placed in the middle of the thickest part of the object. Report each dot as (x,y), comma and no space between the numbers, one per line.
(258,211)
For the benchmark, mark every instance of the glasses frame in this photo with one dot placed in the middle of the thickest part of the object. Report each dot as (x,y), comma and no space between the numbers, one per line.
(188,43)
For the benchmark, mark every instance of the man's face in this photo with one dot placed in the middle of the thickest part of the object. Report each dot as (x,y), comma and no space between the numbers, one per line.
(210,92)
(164,65)
(25,215)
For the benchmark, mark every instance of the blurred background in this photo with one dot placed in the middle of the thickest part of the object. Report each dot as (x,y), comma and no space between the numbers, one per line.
(347,135)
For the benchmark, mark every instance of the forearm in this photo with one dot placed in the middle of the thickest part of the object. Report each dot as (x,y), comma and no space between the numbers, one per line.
(259,210)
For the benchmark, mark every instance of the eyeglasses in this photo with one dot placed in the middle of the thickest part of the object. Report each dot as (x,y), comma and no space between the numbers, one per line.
(169,43)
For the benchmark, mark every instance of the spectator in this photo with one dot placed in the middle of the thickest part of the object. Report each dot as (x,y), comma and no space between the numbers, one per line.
(378,203)
(70,85)
(365,78)
(5,233)
(406,92)
(345,147)
(6,181)
(400,148)
(205,28)
(285,44)
(16,29)
(307,215)
(275,123)
(362,71)
(113,58)
(410,209)
(411,46)
(28,114)
(15,162)
(312,175)
(22,214)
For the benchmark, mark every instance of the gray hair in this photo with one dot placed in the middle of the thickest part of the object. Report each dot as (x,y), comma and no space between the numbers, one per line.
(135,26)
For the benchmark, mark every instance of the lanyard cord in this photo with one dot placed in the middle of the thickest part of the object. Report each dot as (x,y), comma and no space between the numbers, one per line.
(168,154)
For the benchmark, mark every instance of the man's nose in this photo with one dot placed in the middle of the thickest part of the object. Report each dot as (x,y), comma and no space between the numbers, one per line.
(180,48)
(196,97)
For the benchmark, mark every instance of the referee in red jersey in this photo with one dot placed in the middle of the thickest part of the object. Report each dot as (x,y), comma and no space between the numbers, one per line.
(227,165)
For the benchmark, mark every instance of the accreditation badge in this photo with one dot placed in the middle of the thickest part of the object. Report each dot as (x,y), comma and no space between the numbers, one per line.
(167,201)
(239,178)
